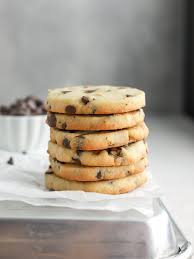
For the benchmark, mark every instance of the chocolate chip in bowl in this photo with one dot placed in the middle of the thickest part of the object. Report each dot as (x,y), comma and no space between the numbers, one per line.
(22,125)
(31,105)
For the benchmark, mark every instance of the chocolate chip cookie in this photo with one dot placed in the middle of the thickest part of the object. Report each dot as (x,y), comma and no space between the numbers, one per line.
(90,99)
(118,186)
(117,156)
(95,173)
(95,122)
(92,140)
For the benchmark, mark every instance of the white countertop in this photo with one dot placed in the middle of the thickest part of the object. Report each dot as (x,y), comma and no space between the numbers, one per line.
(171,145)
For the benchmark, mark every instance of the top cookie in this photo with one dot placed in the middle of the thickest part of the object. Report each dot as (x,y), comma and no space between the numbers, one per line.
(102,99)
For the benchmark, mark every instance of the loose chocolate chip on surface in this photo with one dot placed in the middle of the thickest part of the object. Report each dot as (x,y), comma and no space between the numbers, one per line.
(70,109)
(66,143)
(65,92)
(51,120)
(85,99)
(64,125)
(89,91)
(99,175)
(10,161)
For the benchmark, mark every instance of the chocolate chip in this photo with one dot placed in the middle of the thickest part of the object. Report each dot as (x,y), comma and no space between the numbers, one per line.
(51,190)
(76,160)
(80,141)
(49,172)
(30,105)
(90,91)
(129,95)
(10,161)
(97,152)
(119,152)
(94,110)
(109,151)
(65,92)
(70,109)
(51,120)
(78,152)
(99,175)
(115,151)
(85,99)
(66,143)
(64,125)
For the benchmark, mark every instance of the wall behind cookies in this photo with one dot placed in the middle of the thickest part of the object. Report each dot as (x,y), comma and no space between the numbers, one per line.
(46,44)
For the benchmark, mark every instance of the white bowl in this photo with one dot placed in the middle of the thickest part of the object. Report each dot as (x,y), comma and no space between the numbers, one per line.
(23,133)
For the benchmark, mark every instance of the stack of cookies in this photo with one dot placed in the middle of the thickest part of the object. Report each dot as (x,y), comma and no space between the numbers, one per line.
(97,139)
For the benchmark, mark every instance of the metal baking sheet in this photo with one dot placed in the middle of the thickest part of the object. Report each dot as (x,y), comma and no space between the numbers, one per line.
(94,234)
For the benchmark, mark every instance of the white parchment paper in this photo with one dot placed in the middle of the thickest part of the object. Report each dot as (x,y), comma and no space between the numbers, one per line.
(24,181)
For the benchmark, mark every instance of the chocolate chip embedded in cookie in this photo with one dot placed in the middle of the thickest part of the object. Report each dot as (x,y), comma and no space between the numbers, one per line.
(95,100)
(66,143)
(85,99)
(51,120)
(70,109)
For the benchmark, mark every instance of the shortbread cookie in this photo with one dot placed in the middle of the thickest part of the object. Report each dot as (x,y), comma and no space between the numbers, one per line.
(92,140)
(95,100)
(95,122)
(117,156)
(85,173)
(118,186)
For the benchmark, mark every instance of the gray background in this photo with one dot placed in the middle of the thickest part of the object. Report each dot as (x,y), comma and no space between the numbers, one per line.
(47,43)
